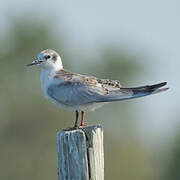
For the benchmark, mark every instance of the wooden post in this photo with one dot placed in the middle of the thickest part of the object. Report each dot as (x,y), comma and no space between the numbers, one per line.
(81,154)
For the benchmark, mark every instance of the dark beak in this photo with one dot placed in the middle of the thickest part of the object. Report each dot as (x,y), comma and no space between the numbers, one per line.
(35,62)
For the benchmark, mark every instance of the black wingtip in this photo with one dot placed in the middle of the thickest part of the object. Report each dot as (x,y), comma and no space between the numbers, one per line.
(147,89)
(156,86)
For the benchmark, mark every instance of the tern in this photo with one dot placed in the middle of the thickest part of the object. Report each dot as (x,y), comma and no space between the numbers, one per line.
(81,93)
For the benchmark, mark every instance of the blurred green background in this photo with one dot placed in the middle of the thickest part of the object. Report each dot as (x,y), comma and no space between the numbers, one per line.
(134,42)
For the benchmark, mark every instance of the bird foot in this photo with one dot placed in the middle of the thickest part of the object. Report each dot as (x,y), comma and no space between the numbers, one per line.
(81,126)
(70,128)
(74,128)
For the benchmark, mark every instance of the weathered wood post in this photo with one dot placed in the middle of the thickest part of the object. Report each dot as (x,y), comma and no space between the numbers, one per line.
(81,154)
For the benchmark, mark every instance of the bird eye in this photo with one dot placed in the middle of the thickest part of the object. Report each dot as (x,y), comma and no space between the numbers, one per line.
(47,56)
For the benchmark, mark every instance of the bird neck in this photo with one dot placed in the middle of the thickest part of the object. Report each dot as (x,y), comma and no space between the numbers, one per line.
(57,65)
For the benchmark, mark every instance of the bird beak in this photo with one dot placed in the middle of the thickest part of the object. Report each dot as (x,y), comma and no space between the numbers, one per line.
(35,62)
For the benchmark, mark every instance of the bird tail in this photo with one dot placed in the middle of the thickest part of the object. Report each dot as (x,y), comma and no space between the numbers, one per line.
(136,92)
(146,90)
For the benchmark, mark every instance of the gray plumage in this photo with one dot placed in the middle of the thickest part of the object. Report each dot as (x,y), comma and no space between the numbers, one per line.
(78,90)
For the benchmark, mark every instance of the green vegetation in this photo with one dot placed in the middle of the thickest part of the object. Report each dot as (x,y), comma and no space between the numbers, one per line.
(28,122)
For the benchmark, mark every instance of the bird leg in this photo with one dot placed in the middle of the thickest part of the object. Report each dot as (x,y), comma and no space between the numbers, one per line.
(82,119)
(76,121)
(75,124)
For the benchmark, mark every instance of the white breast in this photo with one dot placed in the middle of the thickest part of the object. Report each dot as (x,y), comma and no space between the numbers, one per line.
(47,79)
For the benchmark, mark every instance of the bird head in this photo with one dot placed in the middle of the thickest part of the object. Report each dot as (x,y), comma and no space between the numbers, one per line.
(48,59)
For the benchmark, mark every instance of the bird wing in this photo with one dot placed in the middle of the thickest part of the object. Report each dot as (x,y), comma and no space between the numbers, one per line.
(75,89)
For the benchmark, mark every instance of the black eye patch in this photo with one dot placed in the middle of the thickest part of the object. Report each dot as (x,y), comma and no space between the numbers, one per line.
(54,57)
(47,56)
